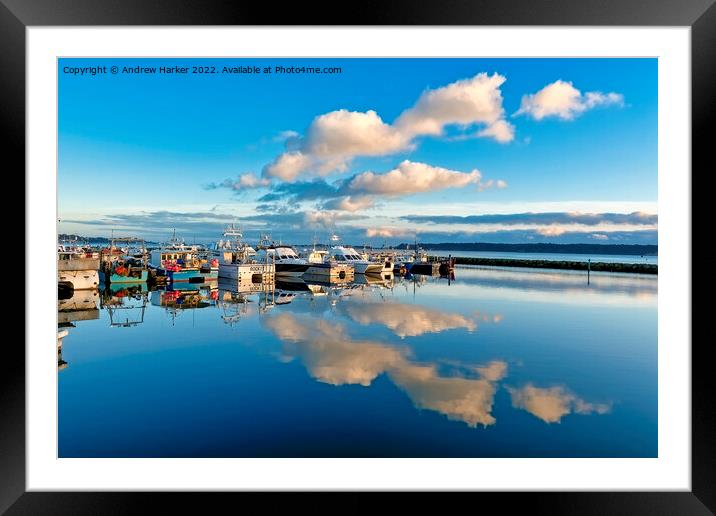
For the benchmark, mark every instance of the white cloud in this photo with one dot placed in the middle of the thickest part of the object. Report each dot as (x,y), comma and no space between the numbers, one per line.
(409,178)
(287,166)
(349,203)
(333,139)
(344,134)
(464,102)
(561,99)
(502,131)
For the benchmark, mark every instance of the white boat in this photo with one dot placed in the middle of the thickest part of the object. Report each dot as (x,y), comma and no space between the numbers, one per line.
(238,261)
(322,266)
(286,261)
(77,267)
(361,266)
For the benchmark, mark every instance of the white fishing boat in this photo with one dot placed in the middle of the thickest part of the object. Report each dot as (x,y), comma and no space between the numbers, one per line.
(323,266)
(286,261)
(238,261)
(350,256)
(77,267)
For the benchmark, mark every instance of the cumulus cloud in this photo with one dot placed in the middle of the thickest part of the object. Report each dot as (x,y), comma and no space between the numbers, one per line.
(464,102)
(502,131)
(562,100)
(333,139)
(409,178)
(406,320)
(359,191)
(342,134)
(552,403)
(287,166)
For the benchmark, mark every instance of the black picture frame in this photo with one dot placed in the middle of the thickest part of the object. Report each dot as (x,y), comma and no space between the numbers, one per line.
(700,15)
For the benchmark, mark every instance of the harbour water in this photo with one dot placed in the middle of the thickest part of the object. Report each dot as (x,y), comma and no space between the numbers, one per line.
(493,363)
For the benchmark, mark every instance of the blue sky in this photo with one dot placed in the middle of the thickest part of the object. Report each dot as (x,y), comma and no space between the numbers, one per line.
(364,151)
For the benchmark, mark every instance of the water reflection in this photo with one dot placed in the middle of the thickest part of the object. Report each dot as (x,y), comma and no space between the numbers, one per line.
(406,320)
(328,353)
(484,351)
(552,403)
(331,356)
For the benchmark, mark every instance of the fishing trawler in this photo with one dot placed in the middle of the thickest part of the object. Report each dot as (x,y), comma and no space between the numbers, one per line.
(325,268)
(120,265)
(180,262)
(238,260)
(350,256)
(286,261)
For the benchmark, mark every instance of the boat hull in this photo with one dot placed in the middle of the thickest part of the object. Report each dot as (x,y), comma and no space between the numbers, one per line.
(116,278)
(330,271)
(191,275)
(369,268)
(80,279)
(240,271)
(291,269)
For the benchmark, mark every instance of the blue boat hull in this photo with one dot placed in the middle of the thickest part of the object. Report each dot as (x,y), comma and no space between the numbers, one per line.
(116,278)
(193,275)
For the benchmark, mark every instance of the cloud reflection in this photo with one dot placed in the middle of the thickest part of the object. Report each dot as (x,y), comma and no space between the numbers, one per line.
(552,403)
(407,320)
(330,356)
(463,399)
(466,394)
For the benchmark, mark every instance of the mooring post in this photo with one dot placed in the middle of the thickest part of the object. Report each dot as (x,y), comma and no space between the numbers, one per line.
(589,268)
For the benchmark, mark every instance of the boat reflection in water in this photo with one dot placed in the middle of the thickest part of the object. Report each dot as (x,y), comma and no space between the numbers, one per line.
(493,363)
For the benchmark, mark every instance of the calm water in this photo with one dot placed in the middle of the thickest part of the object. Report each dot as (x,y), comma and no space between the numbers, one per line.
(608,258)
(496,363)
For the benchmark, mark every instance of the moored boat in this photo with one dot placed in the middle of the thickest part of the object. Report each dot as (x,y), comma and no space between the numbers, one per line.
(77,267)
(323,266)
(119,265)
(179,263)
(238,260)
(350,256)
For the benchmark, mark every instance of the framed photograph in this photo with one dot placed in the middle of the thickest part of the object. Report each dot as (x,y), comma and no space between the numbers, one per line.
(442,248)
